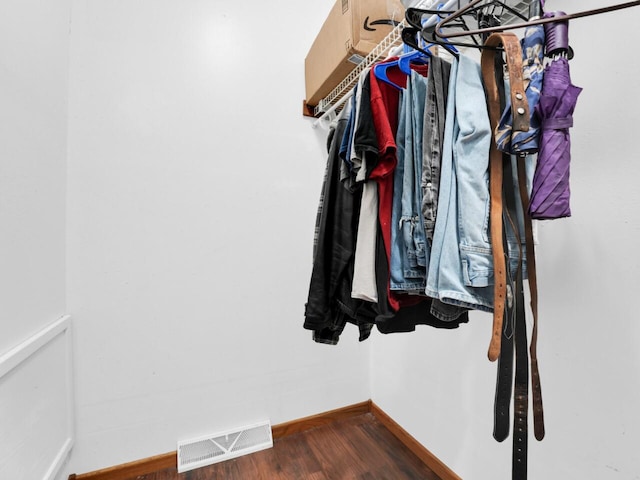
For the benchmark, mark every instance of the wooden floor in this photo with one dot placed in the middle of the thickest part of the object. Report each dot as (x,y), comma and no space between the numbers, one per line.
(356,448)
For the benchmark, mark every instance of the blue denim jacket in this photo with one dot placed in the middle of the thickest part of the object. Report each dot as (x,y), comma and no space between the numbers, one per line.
(412,220)
(409,248)
(460,272)
(461,267)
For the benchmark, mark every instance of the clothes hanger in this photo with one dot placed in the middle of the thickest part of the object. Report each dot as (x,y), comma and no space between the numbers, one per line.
(403,62)
(410,36)
(485,15)
(428,33)
(415,49)
(380,71)
(414,16)
(538,21)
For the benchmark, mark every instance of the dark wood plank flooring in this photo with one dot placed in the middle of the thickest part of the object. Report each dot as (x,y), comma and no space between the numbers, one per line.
(356,448)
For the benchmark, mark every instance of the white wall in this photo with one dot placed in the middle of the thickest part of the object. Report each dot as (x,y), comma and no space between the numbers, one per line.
(34,38)
(34,64)
(440,386)
(192,189)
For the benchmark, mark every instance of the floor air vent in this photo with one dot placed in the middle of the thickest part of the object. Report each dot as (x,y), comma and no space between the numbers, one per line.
(218,447)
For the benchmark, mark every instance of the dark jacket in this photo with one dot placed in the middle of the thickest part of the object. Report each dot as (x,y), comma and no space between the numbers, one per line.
(330,306)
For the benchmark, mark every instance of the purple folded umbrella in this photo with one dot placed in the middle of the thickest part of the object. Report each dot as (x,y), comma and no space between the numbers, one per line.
(550,192)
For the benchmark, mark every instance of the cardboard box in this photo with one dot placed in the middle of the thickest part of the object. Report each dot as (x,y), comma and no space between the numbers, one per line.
(352,29)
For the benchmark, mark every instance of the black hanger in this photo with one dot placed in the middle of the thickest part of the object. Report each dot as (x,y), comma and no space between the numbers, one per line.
(428,33)
(410,37)
(539,21)
(413,15)
(414,18)
(487,14)
(480,15)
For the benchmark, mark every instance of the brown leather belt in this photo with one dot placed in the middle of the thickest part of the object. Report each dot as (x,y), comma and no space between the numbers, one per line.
(538,413)
(509,326)
(520,109)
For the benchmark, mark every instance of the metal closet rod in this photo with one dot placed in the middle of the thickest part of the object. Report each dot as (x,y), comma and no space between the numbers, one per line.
(539,21)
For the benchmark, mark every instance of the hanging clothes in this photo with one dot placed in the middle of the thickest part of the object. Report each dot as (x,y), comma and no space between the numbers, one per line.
(330,306)
(403,279)
(362,159)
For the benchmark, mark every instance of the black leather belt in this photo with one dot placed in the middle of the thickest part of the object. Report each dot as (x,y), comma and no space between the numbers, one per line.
(517,314)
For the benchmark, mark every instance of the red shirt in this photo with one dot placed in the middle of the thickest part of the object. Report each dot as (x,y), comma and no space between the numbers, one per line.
(385,101)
